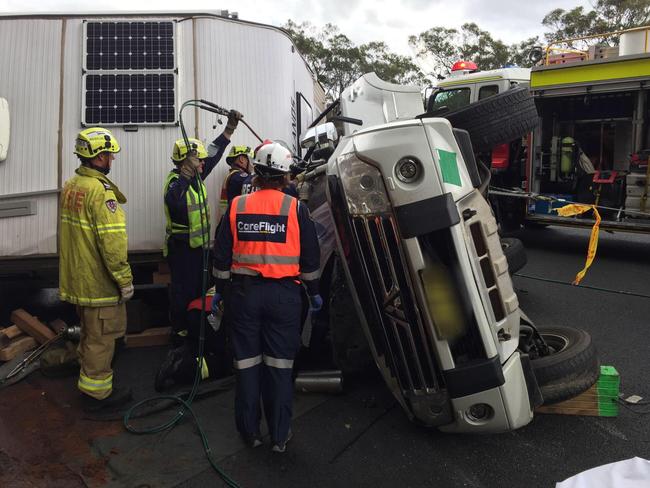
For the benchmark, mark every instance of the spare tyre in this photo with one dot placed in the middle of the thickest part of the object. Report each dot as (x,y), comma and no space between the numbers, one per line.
(571,368)
(498,119)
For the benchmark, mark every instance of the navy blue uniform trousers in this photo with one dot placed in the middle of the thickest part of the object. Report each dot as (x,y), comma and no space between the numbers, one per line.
(265,327)
(185,266)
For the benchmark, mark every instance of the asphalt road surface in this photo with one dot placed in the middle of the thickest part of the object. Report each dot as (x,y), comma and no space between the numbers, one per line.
(360,438)
(363,439)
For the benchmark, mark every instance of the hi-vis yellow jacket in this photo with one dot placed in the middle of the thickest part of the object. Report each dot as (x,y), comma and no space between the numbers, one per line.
(92,241)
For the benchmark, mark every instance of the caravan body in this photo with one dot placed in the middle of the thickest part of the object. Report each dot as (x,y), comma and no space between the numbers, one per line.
(58,75)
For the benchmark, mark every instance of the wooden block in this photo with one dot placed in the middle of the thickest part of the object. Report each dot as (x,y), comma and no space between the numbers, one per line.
(17,346)
(11,332)
(161,278)
(591,403)
(158,336)
(58,326)
(32,326)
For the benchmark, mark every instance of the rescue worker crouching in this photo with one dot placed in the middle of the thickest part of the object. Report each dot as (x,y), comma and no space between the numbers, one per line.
(265,245)
(93,270)
(182,362)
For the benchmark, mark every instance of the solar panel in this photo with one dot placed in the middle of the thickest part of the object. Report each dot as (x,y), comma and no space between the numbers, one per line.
(130,73)
(130,99)
(129,45)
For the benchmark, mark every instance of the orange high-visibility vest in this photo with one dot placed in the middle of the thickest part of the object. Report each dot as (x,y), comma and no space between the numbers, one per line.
(266,235)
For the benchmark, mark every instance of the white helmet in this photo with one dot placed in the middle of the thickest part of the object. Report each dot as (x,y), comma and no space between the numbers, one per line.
(272,159)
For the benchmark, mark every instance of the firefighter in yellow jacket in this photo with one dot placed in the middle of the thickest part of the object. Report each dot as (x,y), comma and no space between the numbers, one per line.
(94,273)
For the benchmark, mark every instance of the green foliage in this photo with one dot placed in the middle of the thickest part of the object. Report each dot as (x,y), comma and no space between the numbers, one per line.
(607,16)
(440,48)
(337,61)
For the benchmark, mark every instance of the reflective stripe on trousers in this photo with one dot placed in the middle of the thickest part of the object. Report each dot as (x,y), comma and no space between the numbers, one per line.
(265,324)
(90,385)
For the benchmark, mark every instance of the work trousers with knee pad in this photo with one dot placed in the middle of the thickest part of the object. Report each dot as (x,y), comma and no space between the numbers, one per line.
(265,321)
(100,327)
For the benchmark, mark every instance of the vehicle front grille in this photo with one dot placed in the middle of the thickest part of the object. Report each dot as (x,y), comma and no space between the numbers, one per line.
(486,270)
(400,332)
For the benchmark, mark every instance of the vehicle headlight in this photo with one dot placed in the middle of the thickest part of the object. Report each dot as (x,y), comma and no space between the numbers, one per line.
(363,186)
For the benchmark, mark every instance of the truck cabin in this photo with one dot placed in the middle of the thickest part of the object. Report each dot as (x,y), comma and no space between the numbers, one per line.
(467,84)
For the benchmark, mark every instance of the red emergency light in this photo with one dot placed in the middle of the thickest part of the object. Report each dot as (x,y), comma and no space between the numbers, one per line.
(464,66)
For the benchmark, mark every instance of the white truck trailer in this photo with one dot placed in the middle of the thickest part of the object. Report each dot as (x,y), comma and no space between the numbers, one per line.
(130,73)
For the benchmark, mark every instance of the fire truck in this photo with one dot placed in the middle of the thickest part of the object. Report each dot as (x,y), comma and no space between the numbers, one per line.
(589,137)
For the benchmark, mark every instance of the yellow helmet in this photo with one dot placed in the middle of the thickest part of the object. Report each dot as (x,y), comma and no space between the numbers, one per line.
(239,151)
(95,140)
(179,152)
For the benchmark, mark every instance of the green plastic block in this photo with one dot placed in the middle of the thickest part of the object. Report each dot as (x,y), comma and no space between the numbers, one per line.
(608,388)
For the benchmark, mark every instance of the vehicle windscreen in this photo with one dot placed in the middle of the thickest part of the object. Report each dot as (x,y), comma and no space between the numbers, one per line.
(453,99)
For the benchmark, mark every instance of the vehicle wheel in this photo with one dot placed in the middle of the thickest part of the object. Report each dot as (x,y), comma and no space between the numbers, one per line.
(572,367)
(498,119)
(515,253)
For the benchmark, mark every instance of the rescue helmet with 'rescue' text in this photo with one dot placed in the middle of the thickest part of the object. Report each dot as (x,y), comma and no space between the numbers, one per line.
(95,140)
(272,159)
(179,151)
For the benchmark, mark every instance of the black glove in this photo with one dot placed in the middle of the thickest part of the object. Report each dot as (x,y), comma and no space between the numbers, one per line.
(233,120)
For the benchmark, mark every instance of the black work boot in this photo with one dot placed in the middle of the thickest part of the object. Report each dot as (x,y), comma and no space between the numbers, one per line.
(169,369)
(119,397)
(252,440)
(281,447)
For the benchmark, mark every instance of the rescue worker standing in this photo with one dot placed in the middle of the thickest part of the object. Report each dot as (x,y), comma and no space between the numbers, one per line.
(239,160)
(188,215)
(267,243)
(93,270)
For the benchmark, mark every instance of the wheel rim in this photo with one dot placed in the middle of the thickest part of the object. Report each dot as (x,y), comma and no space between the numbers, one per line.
(556,342)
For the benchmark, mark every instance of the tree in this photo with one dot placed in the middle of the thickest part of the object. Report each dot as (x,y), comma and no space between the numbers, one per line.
(337,61)
(607,16)
(440,47)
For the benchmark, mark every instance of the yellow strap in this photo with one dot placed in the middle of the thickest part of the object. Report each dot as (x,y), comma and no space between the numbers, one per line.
(205,372)
(577,209)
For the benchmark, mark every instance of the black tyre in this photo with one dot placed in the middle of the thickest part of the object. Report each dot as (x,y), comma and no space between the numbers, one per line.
(515,253)
(572,367)
(498,119)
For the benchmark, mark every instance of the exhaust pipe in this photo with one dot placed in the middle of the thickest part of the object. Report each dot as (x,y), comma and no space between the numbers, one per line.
(327,381)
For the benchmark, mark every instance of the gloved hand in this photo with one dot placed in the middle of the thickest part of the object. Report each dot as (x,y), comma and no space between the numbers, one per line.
(315,303)
(215,303)
(126,293)
(189,166)
(233,120)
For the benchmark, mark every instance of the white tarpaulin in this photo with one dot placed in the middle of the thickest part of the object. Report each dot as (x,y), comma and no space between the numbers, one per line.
(630,473)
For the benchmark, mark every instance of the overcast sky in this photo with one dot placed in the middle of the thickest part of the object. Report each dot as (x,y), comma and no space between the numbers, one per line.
(362,20)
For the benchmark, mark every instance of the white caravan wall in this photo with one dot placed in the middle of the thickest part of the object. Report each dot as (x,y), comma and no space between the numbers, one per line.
(247,67)
(140,168)
(251,69)
(29,55)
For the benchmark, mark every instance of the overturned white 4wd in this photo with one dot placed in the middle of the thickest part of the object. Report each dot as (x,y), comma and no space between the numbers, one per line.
(413,259)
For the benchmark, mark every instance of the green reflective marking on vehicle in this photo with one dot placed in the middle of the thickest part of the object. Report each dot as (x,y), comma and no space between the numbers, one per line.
(449,167)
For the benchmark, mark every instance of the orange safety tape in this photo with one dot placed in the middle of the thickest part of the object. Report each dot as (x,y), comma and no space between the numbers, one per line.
(577,209)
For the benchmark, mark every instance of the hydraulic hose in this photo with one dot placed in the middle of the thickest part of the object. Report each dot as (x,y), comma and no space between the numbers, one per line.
(186,405)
